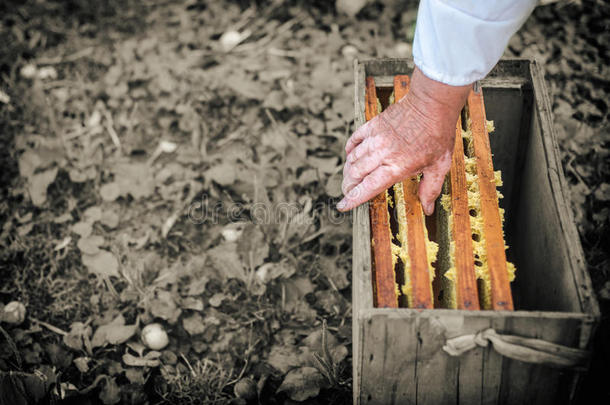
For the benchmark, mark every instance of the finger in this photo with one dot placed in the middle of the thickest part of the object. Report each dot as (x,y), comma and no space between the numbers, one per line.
(360,135)
(373,184)
(361,150)
(432,182)
(353,173)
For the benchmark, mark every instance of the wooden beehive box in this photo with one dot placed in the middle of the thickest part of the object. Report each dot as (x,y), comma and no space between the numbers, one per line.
(397,353)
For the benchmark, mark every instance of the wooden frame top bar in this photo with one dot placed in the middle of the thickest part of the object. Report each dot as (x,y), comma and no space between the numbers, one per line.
(421,289)
(492,224)
(384,279)
(466,282)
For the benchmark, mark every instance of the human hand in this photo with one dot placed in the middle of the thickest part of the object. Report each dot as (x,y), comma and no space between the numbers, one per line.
(415,135)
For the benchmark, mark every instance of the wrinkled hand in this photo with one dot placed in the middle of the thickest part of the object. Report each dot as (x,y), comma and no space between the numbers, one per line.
(415,135)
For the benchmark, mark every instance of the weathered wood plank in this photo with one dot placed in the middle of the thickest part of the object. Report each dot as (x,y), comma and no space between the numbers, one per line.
(362,282)
(570,241)
(545,261)
(388,67)
(522,382)
(397,370)
(436,372)
(470,377)
(494,239)
(466,283)
(492,361)
(384,293)
(362,262)
(390,360)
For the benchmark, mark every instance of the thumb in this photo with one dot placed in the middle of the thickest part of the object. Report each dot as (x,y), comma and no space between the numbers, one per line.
(432,182)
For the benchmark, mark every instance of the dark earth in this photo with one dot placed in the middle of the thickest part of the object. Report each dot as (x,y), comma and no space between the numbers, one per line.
(138,143)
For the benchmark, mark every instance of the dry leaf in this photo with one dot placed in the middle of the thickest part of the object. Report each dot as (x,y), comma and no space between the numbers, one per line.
(58,356)
(193,324)
(313,342)
(92,214)
(164,306)
(225,259)
(247,87)
(135,179)
(223,174)
(296,289)
(110,393)
(102,263)
(284,358)
(150,360)
(91,244)
(78,337)
(271,271)
(82,364)
(4,98)
(83,229)
(110,219)
(114,333)
(302,383)
(197,285)
(29,161)
(275,100)
(216,299)
(135,376)
(77,176)
(335,273)
(350,7)
(253,246)
(110,191)
(38,185)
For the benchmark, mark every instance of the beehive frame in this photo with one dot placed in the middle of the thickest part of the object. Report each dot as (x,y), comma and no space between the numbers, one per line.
(397,352)
(414,252)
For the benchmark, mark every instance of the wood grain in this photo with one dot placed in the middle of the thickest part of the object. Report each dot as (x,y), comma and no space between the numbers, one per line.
(421,289)
(383,269)
(362,277)
(415,370)
(492,224)
(466,282)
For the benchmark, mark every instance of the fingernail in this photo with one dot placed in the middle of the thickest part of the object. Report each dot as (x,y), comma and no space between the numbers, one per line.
(341,204)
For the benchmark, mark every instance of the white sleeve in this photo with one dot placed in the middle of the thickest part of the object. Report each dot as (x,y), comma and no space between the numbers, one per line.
(459,41)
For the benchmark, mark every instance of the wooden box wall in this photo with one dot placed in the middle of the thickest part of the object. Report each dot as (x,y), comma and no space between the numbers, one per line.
(397,353)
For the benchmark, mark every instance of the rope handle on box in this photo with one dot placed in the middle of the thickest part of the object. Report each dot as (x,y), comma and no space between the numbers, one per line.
(519,348)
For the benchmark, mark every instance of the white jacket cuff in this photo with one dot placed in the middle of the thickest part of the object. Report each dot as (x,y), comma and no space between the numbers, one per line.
(458,42)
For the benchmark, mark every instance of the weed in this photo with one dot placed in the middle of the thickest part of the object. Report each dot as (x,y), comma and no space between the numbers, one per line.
(333,371)
(204,382)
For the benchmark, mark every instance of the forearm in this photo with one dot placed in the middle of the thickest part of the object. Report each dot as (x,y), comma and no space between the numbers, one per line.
(433,96)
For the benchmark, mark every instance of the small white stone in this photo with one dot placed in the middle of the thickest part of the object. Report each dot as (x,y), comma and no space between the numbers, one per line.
(4,98)
(13,313)
(229,40)
(167,146)
(154,336)
(28,71)
(47,72)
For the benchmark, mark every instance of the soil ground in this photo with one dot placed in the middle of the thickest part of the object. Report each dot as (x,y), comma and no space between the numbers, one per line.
(179,162)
